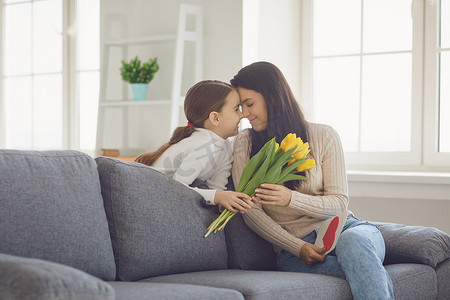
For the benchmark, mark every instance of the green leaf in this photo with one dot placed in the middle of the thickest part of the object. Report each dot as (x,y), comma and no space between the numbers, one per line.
(272,148)
(258,178)
(276,163)
(134,72)
(290,177)
(273,174)
(291,167)
(277,156)
(251,167)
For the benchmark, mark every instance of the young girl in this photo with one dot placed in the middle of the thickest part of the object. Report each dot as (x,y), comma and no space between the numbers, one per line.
(201,149)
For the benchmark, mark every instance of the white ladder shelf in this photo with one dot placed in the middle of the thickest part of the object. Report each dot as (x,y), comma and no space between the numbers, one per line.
(176,101)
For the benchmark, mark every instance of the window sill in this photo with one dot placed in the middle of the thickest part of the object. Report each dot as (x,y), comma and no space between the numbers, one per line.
(398,177)
(399,185)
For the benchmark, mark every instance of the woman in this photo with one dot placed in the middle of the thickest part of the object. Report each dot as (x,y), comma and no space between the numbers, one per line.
(288,215)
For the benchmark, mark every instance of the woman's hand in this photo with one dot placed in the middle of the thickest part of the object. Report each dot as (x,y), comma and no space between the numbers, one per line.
(273,194)
(233,201)
(311,254)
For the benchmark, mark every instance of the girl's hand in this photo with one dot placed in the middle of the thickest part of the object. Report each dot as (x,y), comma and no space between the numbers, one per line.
(233,201)
(273,194)
(311,254)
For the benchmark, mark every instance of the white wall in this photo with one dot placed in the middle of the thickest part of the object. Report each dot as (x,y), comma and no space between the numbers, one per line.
(272,33)
(136,18)
(406,198)
(420,212)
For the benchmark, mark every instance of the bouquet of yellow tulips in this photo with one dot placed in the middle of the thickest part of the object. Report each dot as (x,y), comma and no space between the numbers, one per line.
(274,163)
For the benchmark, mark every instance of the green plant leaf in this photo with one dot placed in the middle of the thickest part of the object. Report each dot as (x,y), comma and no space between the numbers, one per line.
(134,72)
(290,177)
(291,167)
(251,167)
(257,179)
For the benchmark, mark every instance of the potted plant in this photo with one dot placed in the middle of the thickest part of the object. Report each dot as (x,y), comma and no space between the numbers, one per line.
(139,76)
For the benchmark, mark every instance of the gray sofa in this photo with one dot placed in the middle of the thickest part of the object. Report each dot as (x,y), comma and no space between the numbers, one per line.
(72,227)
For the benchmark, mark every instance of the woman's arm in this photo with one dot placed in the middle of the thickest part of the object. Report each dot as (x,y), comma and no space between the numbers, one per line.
(256,218)
(335,192)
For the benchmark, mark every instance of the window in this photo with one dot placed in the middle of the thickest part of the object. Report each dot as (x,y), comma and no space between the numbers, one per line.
(364,73)
(50,73)
(88,71)
(437,87)
(444,97)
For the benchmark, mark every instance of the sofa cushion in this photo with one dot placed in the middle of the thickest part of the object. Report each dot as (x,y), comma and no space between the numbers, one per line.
(170,291)
(410,281)
(413,281)
(246,249)
(261,285)
(414,244)
(443,284)
(157,224)
(34,279)
(51,208)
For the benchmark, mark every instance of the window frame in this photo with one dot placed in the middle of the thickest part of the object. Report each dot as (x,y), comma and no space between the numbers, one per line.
(423,155)
(431,89)
(2,111)
(70,76)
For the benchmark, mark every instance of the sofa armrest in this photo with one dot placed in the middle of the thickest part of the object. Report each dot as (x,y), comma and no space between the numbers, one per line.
(34,279)
(414,244)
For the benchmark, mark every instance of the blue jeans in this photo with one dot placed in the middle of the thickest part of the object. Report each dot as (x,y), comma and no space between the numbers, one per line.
(358,258)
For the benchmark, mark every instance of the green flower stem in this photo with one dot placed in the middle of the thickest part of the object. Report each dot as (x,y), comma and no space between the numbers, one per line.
(222,217)
(216,222)
(226,221)
(223,221)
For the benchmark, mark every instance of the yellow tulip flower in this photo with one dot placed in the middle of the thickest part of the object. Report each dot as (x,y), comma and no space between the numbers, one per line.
(302,151)
(308,164)
(291,145)
(287,140)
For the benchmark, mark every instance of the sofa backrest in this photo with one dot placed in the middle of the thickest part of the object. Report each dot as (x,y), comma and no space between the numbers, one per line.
(246,249)
(414,244)
(157,224)
(51,208)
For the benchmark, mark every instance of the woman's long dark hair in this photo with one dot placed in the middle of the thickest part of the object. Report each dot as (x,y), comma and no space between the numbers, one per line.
(202,98)
(283,111)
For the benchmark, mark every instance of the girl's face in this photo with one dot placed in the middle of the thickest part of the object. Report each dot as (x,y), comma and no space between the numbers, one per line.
(230,115)
(254,108)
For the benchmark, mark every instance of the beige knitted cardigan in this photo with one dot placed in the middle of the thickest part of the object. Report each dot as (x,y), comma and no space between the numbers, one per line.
(324,195)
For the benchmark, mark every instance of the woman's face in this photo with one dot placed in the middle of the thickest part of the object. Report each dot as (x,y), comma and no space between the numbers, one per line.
(254,108)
